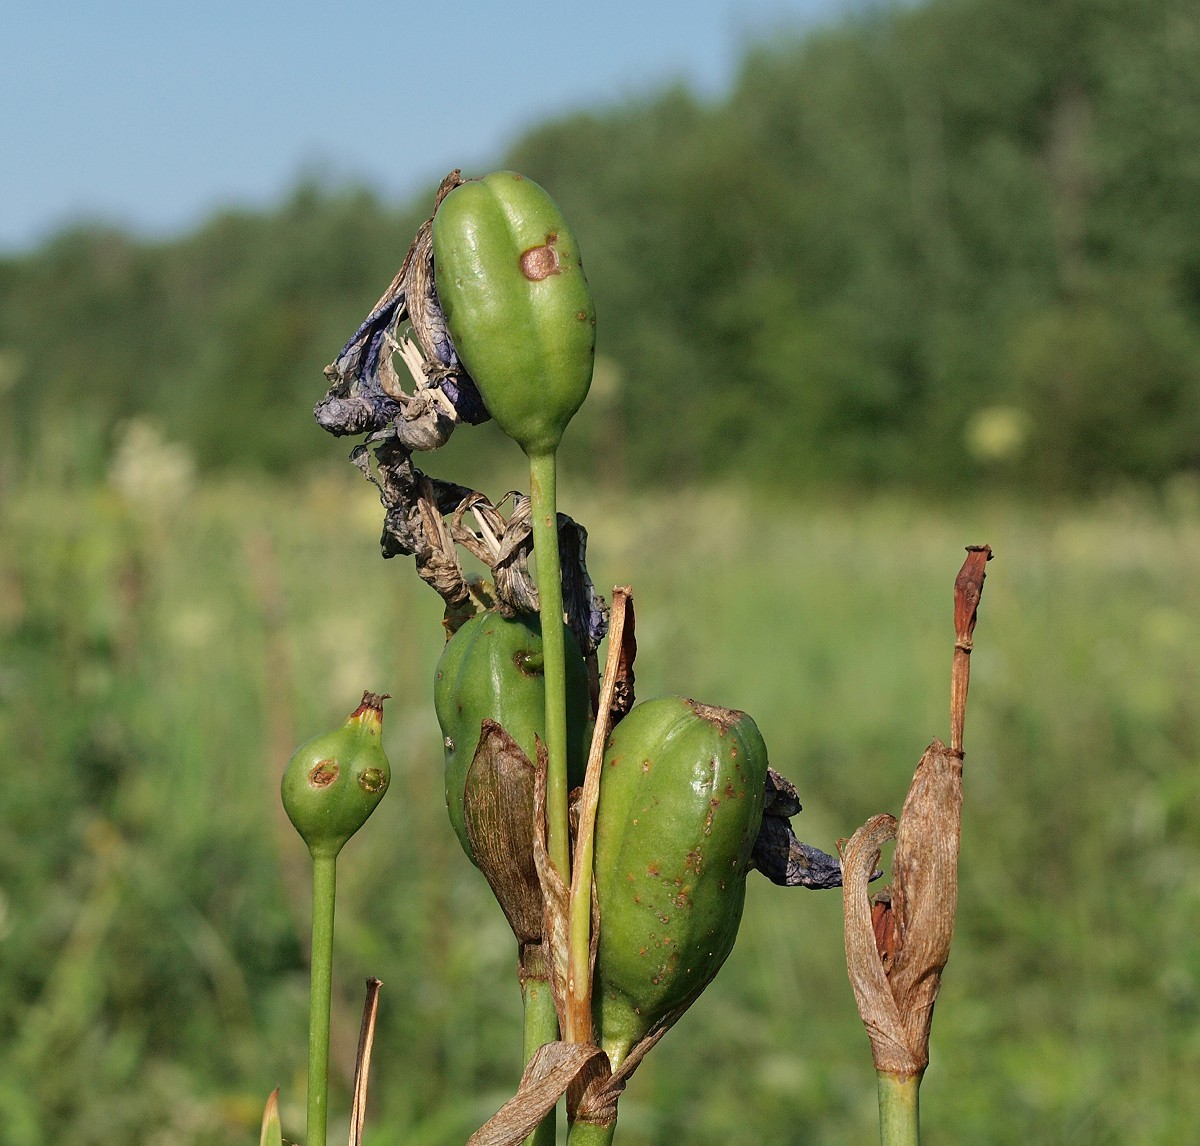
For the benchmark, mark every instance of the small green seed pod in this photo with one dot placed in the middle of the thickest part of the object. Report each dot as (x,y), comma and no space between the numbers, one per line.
(511,284)
(492,670)
(681,799)
(333,782)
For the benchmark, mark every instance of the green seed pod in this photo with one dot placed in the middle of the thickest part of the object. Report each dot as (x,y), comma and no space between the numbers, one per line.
(492,670)
(511,285)
(681,799)
(333,782)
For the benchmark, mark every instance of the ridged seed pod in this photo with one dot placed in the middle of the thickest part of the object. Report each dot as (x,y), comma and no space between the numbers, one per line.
(511,285)
(681,800)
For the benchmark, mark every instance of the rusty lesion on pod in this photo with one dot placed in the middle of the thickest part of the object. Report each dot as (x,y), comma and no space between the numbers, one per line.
(538,263)
(323,773)
(372,781)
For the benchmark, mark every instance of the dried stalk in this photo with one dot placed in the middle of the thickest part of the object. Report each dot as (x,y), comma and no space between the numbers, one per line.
(362,1062)
(897,947)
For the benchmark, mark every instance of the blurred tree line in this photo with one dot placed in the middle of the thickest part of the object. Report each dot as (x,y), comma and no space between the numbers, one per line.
(954,242)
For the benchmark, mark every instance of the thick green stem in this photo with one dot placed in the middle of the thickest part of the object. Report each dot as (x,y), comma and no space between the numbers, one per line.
(589,1134)
(541,1027)
(324,891)
(543,495)
(899,1109)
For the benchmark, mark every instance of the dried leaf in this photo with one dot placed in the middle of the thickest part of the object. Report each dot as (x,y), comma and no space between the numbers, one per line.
(618,667)
(552,1069)
(872,992)
(623,678)
(925,887)
(498,810)
(362,1062)
(555,896)
(897,947)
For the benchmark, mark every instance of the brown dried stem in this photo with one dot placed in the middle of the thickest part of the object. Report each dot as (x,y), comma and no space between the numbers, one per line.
(362,1063)
(968,589)
(897,948)
(578,1027)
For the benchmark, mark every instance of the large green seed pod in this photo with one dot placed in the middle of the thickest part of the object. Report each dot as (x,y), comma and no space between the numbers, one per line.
(333,782)
(681,799)
(492,670)
(511,284)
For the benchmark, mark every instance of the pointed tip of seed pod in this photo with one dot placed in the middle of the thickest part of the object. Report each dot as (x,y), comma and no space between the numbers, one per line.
(370,708)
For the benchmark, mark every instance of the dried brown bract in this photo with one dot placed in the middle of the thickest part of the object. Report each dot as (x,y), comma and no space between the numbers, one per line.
(897,947)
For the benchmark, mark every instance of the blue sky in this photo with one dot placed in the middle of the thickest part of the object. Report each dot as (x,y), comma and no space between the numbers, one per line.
(151,115)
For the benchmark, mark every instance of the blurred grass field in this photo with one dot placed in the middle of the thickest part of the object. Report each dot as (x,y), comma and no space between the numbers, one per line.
(164,647)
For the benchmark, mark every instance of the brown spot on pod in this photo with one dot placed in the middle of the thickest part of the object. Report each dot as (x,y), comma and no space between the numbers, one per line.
(538,263)
(323,773)
(372,781)
(653,869)
(529,663)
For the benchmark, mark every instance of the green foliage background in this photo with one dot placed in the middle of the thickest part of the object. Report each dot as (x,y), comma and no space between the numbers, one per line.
(160,660)
(923,279)
(911,226)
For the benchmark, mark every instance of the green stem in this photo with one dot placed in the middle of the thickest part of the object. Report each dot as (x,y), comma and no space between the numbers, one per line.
(324,892)
(589,1134)
(541,1027)
(899,1109)
(543,495)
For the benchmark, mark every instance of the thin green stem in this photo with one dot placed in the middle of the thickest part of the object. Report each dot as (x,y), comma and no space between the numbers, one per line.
(541,1027)
(544,498)
(589,1134)
(899,1109)
(324,892)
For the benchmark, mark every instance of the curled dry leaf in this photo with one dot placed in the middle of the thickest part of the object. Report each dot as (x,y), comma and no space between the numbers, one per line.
(868,979)
(498,810)
(925,889)
(896,948)
(555,896)
(551,1070)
